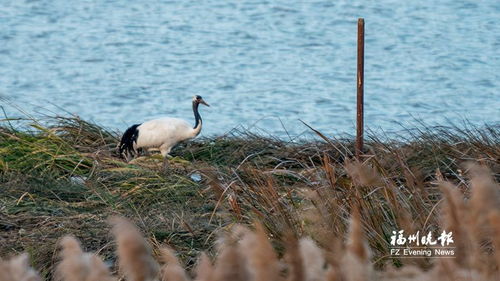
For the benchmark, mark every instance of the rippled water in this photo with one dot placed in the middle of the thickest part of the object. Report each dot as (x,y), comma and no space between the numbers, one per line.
(256,62)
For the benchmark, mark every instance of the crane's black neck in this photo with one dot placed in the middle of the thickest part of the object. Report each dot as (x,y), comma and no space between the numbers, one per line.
(197,116)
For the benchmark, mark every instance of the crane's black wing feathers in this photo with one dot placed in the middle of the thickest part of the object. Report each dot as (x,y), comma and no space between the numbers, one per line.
(128,139)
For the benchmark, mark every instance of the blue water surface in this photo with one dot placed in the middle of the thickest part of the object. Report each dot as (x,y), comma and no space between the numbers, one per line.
(258,63)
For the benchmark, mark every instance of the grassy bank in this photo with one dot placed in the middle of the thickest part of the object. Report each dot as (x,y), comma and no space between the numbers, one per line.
(63,176)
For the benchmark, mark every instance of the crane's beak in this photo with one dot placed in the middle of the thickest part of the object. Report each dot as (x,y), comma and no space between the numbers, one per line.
(204,103)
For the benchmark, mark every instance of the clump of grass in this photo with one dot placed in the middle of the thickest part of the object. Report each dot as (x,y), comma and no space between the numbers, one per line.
(394,186)
(71,173)
(49,155)
(58,171)
(247,255)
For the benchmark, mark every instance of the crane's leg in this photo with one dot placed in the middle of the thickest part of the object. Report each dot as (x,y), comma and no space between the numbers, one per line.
(165,150)
(135,150)
(130,154)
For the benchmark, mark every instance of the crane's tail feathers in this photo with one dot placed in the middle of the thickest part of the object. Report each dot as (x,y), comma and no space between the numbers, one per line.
(128,139)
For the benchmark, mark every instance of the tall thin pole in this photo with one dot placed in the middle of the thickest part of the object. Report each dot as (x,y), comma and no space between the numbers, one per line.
(361,69)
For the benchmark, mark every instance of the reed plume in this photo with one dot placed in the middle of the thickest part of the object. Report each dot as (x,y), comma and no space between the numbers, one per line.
(356,264)
(293,258)
(313,260)
(77,265)
(172,269)
(494,218)
(204,269)
(134,252)
(17,269)
(455,219)
(262,262)
(230,264)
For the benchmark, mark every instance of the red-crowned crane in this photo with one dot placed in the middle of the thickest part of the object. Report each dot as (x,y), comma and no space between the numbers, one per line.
(162,133)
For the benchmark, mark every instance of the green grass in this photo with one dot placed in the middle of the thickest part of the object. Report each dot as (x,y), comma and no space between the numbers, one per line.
(63,175)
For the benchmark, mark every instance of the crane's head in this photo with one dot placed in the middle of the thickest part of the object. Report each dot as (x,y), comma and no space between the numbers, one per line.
(199,100)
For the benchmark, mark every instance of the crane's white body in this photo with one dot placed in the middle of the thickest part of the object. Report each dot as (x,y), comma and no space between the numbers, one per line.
(164,133)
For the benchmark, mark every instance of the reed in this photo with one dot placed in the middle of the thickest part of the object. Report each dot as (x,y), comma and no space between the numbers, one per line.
(311,211)
(246,254)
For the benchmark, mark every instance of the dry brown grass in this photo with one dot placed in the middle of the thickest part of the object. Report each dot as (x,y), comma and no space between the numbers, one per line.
(321,215)
(245,254)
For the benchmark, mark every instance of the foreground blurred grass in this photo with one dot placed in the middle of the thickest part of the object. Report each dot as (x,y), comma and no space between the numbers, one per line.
(63,175)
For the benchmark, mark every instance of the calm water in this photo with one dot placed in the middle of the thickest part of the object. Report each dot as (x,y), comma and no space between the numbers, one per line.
(258,63)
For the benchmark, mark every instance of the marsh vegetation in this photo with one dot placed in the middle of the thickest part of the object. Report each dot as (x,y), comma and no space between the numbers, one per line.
(63,176)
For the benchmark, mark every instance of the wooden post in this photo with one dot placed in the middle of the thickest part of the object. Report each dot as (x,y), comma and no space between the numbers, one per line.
(360,83)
